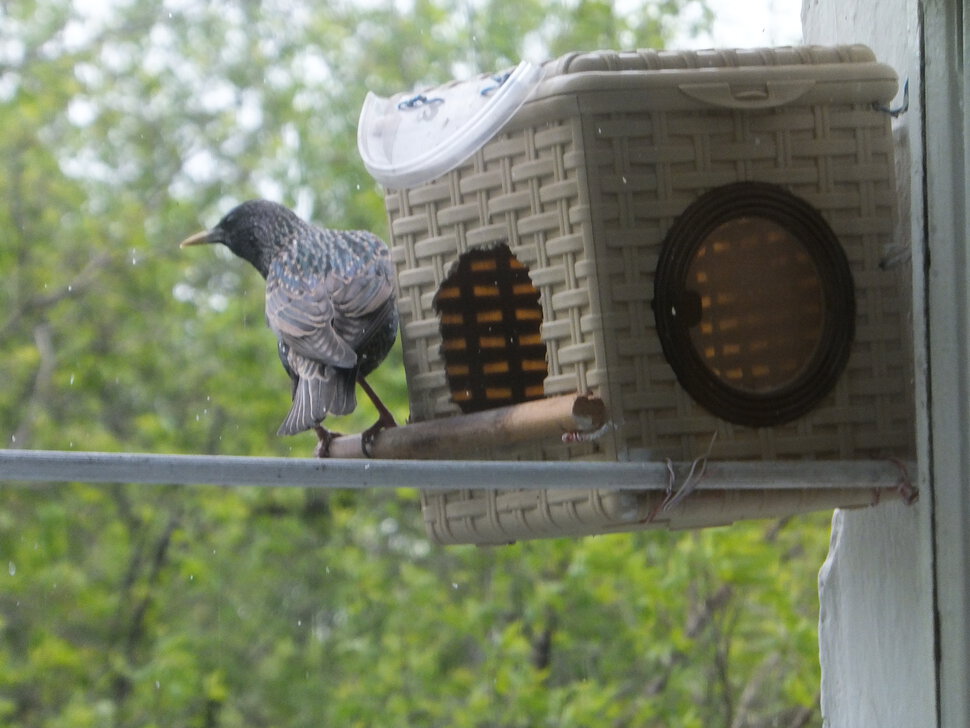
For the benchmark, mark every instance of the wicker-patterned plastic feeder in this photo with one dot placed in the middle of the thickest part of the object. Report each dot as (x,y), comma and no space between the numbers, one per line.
(705,233)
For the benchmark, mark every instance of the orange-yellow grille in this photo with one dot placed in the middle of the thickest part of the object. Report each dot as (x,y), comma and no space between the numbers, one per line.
(490,318)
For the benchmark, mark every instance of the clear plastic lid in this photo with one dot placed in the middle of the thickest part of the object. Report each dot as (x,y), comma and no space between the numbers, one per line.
(410,139)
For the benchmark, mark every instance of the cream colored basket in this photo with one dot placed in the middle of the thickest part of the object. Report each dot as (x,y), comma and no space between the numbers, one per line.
(594,188)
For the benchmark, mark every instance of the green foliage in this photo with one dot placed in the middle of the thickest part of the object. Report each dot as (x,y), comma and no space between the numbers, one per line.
(127,129)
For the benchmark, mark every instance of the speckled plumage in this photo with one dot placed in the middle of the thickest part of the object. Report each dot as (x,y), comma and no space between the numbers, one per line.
(329,299)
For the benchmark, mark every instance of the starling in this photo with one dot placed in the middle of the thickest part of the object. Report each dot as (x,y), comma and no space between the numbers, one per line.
(330,301)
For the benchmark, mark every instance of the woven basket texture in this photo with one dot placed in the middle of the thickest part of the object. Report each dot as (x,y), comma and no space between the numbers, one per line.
(583,185)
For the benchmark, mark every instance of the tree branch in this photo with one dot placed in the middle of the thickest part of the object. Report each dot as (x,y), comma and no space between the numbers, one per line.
(131,631)
(542,643)
(751,692)
(78,285)
(697,621)
(42,384)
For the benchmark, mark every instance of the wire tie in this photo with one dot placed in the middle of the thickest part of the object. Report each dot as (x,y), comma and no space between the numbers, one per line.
(899,110)
(693,478)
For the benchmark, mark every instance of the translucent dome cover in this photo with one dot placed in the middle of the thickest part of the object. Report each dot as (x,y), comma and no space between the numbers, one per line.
(409,139)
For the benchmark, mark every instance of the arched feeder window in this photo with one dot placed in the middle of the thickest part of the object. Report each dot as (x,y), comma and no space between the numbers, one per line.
(754,304)
(490,320)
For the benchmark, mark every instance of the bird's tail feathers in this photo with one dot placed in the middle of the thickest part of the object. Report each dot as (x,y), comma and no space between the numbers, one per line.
(325,391)
(340,391)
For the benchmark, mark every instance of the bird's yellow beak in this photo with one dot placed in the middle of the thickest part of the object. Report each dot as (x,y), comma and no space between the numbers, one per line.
(200,238)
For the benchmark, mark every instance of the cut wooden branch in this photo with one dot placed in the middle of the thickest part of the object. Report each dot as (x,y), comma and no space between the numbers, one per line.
(454,437)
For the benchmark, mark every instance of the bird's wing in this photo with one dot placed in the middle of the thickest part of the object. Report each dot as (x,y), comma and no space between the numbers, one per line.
(363,302)
(302,316)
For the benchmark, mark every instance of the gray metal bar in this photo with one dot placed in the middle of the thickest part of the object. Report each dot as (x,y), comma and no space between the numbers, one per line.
(53,466)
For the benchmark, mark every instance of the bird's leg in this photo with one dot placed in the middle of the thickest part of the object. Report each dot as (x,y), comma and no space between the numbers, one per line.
(385,419)
(324,440)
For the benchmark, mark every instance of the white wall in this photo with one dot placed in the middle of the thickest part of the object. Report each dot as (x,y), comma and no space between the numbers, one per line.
(947,159)
(876,588)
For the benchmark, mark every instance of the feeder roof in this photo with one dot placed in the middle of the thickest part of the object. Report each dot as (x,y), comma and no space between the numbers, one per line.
(409,138)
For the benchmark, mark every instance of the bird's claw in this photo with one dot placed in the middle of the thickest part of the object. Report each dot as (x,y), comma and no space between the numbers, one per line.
(369,436)
(324,439)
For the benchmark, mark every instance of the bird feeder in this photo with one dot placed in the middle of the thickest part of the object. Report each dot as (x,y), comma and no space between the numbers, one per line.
(699,239)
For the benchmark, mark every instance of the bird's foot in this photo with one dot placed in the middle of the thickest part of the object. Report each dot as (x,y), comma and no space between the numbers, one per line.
(324,440)
(369,436)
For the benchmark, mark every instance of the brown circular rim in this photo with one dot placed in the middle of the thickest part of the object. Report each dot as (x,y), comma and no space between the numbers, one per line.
(807,226)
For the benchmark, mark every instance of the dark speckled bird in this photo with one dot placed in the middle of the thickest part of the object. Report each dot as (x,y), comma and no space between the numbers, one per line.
(330,301)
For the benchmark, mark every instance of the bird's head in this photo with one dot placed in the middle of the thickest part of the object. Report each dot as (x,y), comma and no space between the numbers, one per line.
(253,230)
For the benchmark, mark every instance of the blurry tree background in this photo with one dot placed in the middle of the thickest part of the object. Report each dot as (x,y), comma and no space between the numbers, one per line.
(128,125)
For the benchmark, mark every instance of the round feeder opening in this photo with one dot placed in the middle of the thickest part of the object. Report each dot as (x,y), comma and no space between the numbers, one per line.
(754,304)
(761,305)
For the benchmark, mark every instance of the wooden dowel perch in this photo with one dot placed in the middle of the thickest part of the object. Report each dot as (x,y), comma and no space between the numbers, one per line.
(451,437)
